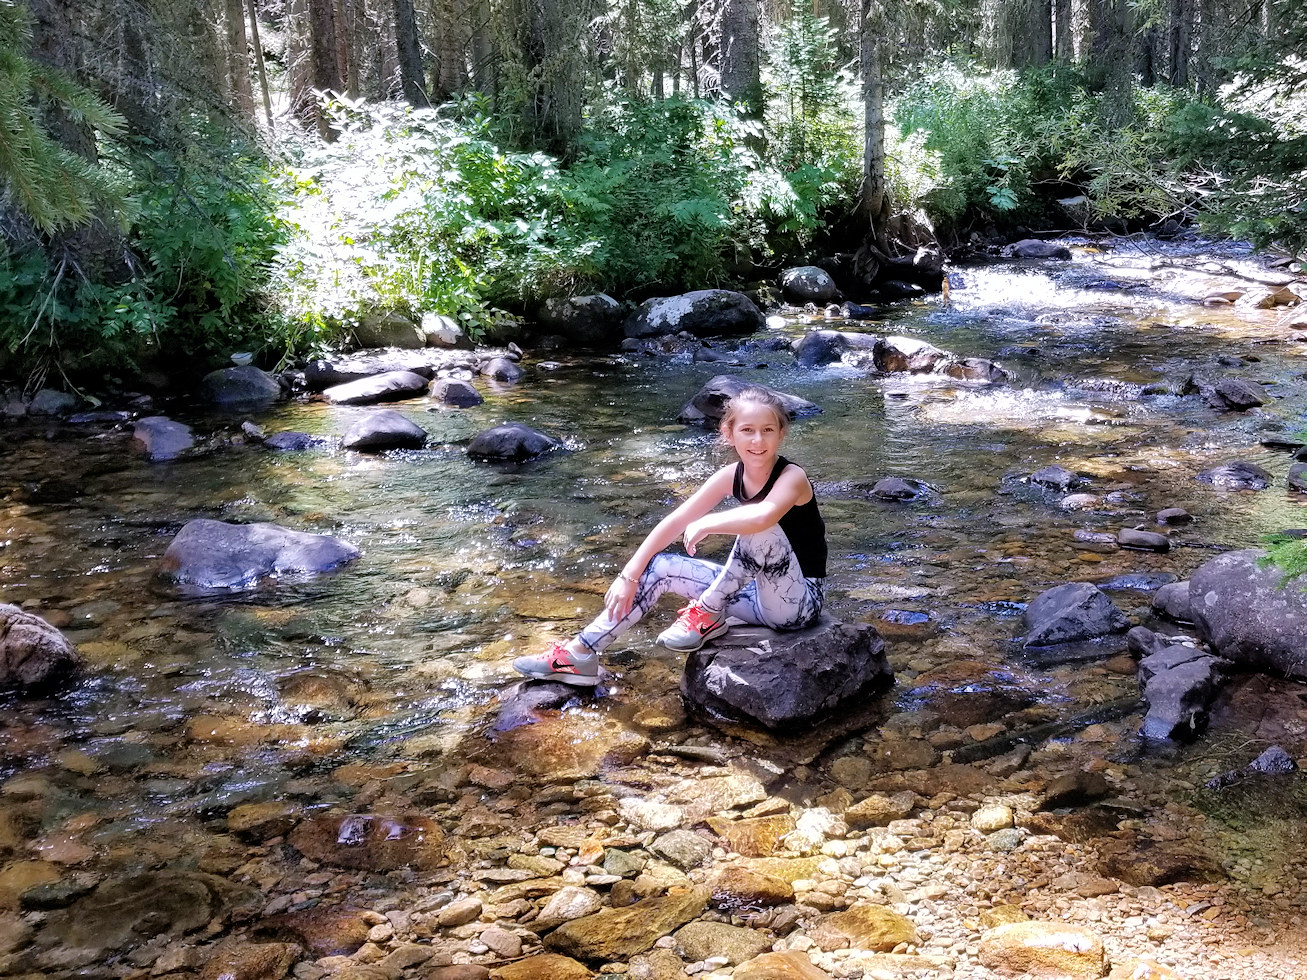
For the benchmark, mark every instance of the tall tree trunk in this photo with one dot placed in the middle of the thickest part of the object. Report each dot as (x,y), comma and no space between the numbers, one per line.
(1041,32)
(482,49)
(238,58)
(409,48)
(1063,43)
(873,201)
(552,55)
(344,57)
(1108,65)
(1204,74)
(325,58)
(739,61)
(1146,45)
(1179,40)
(257,45)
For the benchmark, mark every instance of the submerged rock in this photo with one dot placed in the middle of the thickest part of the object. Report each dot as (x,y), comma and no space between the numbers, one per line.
(1072,612)
(1044,949)
(371,842)
(709,403)
(791,679)
(1236,475)
(1249,615)
(704,312)
(618,933)
(34,656)
(161,438)
(208,555)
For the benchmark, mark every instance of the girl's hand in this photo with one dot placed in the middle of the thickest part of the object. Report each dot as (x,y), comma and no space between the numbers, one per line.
(618,599)
(694,533)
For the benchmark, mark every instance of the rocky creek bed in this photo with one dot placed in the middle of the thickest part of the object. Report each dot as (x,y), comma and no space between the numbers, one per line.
(337,775)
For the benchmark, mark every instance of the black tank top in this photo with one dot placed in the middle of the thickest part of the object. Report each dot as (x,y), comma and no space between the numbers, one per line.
(802,524)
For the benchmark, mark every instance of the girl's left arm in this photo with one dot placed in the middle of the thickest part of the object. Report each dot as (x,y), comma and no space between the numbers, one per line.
(791,489)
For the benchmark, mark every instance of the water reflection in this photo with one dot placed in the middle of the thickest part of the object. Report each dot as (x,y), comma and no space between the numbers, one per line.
(197,705)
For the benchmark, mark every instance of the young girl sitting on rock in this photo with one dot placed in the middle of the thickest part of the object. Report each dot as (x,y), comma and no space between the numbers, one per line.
(772,577)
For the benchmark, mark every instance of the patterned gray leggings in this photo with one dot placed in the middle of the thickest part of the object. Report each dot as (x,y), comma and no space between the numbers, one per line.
(760,584)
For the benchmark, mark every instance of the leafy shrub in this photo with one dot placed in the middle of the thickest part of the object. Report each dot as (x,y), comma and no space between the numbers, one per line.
(194,261)
(425,211)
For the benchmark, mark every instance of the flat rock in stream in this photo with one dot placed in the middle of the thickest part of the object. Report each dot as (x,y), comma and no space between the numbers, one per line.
(1236,475)
(124,912)
(33,654)
(619,933)
(208,555)
(392,386)
(787,680)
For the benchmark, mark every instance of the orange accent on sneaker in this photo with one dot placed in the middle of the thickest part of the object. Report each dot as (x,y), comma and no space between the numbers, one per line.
(696,618)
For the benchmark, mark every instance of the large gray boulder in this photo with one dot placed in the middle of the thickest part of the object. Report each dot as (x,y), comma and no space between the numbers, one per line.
(594,320)
(214,556)
(808,284)
(161,438)
(709,403)
(1249,615)
(389,329)
(787,680)
(34,656)
(512,441)
(392,386)
(240,387)
(1070,613)
(704,312)
(383,430)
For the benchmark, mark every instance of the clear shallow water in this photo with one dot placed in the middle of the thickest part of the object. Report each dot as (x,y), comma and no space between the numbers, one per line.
(193,705)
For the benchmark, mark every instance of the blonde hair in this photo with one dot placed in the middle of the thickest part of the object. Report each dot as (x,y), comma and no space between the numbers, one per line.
(755,395)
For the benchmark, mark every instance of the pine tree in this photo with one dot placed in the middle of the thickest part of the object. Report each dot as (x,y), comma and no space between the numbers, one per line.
(53,186)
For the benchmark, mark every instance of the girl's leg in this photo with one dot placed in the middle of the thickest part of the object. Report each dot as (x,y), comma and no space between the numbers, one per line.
(668,572)
(762,584)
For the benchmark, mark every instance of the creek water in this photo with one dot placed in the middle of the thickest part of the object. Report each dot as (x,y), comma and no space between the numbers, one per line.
(190,706)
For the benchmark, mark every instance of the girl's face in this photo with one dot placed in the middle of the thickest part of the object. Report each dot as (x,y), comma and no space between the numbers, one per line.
(756,434)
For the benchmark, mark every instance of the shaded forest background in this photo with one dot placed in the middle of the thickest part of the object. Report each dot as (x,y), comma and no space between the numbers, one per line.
(183,180)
